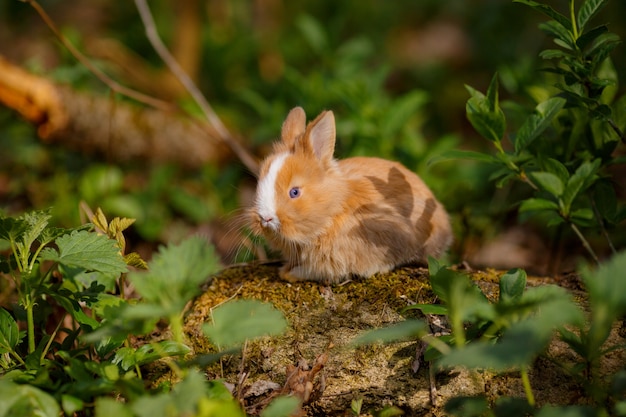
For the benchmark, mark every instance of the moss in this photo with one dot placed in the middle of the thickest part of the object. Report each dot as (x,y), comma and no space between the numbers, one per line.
(324,320)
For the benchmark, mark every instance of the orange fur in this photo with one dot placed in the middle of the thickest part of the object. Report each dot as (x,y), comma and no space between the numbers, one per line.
(356,216)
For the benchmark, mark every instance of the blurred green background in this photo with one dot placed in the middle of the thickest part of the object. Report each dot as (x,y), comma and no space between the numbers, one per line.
(393,72)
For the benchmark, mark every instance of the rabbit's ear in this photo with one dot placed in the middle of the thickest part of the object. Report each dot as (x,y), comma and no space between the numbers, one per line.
(293,126)
(321,136)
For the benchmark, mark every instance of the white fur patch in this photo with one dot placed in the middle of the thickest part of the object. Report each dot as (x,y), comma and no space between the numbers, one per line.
(266,194)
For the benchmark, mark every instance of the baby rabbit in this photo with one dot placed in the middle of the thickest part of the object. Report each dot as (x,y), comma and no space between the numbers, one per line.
(335,218)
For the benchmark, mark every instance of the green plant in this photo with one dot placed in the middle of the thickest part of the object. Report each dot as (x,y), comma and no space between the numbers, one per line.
(79,322)
(525,340)
(564,147)
(513,331)
(507,334)
(349,80)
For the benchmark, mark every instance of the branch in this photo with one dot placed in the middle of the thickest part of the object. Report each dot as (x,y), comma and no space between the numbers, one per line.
(146,16)
(112,84)
(617,130)
(100,125)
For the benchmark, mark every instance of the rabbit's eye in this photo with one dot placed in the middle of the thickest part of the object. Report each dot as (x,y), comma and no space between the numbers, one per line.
(295,192)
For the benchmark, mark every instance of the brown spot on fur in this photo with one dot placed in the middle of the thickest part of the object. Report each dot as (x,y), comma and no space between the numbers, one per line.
(424,225)
(377,230)
(397,191)
(381,227)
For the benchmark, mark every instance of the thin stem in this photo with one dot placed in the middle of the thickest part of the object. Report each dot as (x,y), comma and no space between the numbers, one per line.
(605,232)
(617,130)
(201,101)
(17,357)
(572,13)
(31,265)
(525,179)
(442,347)
(18,260)
(122,286)
(138,371)
(584,242)
(492,330)
(30,320)
(46,275)
(527,388)
(176,324)
(52,336)
(458,331)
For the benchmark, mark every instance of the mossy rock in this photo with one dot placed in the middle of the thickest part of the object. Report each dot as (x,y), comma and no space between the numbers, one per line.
(323,321)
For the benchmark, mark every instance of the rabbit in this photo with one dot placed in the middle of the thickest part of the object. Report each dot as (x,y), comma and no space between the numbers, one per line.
(333,219)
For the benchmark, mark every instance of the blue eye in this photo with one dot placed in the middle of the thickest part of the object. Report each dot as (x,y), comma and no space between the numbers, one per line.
(295,192)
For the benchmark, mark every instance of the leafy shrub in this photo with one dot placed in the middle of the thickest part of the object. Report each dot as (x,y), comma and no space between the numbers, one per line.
(73,279)
(565,145)
(512,332)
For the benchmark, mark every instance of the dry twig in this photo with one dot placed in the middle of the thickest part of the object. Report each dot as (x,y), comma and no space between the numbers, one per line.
(146,16)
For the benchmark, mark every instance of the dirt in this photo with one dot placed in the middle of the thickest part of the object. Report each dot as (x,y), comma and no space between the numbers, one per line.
(331,373)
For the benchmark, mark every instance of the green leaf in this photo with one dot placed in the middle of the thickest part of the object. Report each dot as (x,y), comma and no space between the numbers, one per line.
(601,49)
(552,54)
(579,181)
(587,38)
(217,407)
(606,200)
(106,407)
(537,122)
(582,214)
(557,168)
(71,405)
(567,411)
(513,407)
(562,37)
(524,340)
(404,330)
(484,112)
(189,397)
(71,305)
(22,233)
(517,348)
(548,11)
(389,411)
(12,229)
(36,222)
(121,320)
(512,285)
(462,406)
(282,407)
(465,301)
(87,250)
(548,181)
(153,351)
(9,332)
(492,94)
(128,358)
(26,401)
(433,266)
(607,296)
(175,274)
(239,320)
(587,11)
(428,308)
(537,204)
(314,33)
